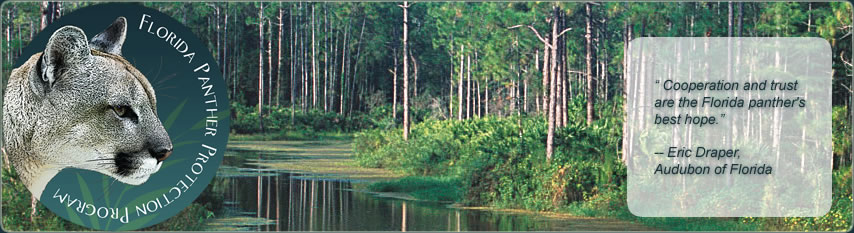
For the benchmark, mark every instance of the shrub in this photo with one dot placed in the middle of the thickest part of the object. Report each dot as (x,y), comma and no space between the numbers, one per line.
(501,161)
(445,189)
(838,218)
(841,136)
(279,119)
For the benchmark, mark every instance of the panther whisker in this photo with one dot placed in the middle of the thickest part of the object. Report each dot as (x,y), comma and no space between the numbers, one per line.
(78,164)
(99,159)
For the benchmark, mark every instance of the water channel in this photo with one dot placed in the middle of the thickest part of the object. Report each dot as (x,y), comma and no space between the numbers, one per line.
(259,198)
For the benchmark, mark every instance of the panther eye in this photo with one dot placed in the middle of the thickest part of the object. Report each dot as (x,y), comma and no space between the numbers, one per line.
(122,111)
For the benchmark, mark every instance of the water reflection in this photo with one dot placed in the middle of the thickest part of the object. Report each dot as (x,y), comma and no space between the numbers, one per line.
(294,203)
(260,199)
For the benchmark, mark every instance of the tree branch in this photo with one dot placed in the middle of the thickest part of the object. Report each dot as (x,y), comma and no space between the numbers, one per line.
(846,35)
(535,32)
(846,88)
(564,31)
(577,72)
(842,57)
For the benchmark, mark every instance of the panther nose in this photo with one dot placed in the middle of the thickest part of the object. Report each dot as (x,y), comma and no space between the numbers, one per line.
(161,153)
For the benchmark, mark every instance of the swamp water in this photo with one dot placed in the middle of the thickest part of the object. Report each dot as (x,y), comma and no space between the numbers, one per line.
(258,197)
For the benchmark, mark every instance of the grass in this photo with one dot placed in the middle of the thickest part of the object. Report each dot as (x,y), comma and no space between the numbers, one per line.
(612,204)
(330,168)
(238,224)
(290,135)
(331,158)
(441,189)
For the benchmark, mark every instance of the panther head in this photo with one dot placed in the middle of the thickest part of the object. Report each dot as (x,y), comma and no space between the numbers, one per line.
(93,111)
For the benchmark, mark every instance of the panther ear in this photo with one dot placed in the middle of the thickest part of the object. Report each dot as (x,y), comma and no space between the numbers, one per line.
(112,38)
(65,48)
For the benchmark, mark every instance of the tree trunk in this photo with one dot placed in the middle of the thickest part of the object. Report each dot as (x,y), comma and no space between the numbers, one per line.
(269,63)
(517,91)
(43,9)
(564,76)
(51,13)
(405,7)
(332,69)
(476,103)
(627,84)
(394,92)
(460,86)
(450,84)
(343,75)
(538,67)
(590,86)
(549,81)
(305,66)
(552,87)
(414,75)
(299,60)
(313,62)
(525,95)
(292,61)
(468,88)
(559,88)
(740,18)
(279,57)
(20,37)
(236,58)
(486,97)
(353,95)
(261,66)
(326,30)
(545,72)
(8,38)
(224,61)
(565,83)
(218,34)
(605,60)
(558,75)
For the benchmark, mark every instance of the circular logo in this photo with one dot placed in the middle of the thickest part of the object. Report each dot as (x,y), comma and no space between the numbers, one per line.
(127,115)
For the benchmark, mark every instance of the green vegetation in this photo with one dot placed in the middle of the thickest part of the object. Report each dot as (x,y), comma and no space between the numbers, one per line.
(442,189)
(16,211)
(279,124)
(290,135)
(499,162)
(612,203)
(245,120)
(841,136)
(282,124)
